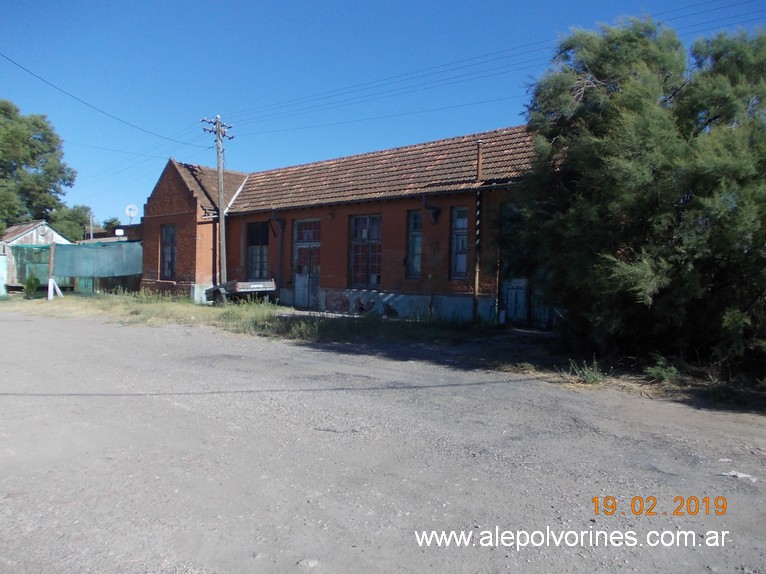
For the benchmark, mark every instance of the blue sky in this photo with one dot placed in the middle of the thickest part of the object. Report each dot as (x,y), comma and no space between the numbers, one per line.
(300,81)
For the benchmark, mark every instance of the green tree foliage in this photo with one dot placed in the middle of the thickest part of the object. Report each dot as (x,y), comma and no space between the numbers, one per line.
(111,223)
(71,222)
(644,219)
(32,171)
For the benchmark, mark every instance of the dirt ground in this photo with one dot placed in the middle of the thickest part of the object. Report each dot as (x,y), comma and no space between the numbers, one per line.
(177,449)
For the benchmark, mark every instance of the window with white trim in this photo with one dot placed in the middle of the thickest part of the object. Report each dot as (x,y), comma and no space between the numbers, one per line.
(459,254)
(414,243)
(257,250)
(365,251)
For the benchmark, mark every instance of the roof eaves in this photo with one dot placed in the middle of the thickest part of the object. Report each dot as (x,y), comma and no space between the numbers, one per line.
(489,185)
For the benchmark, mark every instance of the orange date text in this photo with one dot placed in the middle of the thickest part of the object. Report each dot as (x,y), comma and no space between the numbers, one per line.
(648,506)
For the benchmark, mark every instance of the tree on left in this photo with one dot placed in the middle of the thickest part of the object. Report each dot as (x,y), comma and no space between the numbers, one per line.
(33,174)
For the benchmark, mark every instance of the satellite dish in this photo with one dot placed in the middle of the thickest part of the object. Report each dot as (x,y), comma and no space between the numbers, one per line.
(131,211)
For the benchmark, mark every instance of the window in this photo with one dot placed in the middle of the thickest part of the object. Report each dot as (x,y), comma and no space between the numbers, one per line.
(307,242)
(414,243)
(168,252)
(258,250)
(307,231)
(365,250)
(459,266)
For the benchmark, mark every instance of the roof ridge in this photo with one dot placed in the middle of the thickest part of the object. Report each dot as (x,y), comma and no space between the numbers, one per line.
(478,135)
(201,180)
(204,167)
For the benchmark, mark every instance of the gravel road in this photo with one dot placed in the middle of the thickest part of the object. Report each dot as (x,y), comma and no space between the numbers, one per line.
(176,449)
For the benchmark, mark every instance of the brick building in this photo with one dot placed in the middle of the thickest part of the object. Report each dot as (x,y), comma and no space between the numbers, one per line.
(179,229)
(412,230)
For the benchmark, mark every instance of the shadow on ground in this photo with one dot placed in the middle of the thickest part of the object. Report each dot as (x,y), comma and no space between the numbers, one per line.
(520,351)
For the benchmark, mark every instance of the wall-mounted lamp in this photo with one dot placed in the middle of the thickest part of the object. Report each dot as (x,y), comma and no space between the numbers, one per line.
(433,211)
(278,220)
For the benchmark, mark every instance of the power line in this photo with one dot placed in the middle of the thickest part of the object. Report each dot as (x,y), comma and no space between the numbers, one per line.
(384,117)
(99,110)
(400,78)
(122,151)
(414,81)
(456,65)
(150,153)
(724,7)
(698,27)
(393,92)
(383,88)
(716,24)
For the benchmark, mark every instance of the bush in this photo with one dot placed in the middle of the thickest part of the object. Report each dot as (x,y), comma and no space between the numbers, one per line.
(662,370)
(31,285)
(644,216)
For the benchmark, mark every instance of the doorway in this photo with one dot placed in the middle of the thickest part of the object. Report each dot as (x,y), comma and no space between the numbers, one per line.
(307,263)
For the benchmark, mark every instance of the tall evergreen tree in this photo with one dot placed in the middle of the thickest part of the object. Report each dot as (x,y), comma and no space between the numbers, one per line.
(644,218)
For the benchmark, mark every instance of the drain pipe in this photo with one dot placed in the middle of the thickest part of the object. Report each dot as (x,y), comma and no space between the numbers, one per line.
(477,225)
(477,258)
(280,249)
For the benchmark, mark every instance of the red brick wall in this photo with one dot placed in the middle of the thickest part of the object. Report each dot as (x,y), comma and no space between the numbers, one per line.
(207,252)
(133,232)
(335,222)
(171,202)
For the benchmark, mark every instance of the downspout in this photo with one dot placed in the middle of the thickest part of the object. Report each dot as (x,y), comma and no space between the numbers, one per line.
(215,267)
(280,249)
(477,242)
(498,234)
(477,258)
(243,267)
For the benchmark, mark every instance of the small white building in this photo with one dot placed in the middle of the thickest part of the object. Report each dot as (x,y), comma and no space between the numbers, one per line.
(37,233)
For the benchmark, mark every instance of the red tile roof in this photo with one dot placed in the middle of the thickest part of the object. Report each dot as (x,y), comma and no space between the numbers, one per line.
(443,166)
(203,183)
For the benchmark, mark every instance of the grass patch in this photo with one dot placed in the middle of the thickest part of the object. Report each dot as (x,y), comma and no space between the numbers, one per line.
(584,374)
(248,317)
(523,367)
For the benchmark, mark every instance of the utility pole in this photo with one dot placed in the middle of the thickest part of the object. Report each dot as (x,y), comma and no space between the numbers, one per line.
(219,130)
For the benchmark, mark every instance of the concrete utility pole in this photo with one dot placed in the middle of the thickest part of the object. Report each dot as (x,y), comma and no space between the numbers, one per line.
(219,130)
